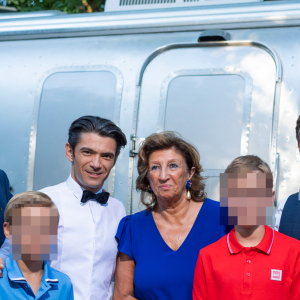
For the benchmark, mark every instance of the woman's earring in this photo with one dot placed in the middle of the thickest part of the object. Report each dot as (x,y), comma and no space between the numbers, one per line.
(152,194)
(188,186)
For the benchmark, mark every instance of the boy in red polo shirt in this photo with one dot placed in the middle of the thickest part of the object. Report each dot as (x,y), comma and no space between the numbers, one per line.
(253,261)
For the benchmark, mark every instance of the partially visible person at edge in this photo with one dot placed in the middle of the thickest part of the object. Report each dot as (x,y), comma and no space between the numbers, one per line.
(5,196)
(31,220)
(287,220)
(89,218)
(158,247)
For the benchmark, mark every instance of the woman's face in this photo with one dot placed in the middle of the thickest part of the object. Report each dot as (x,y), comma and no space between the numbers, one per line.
(168,174)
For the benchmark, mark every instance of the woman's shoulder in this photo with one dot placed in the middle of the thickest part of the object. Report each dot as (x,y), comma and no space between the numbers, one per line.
(130,231)
(211,214)
(209,203)
(210,211)
(133,221)
(136,216)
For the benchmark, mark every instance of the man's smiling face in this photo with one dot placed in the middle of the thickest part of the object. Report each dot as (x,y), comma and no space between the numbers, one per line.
(93,158)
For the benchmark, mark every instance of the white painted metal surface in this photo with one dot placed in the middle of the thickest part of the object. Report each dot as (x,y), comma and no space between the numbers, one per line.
(154,79)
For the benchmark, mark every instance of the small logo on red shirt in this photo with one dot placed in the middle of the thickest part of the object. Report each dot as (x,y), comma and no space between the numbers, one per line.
(276,275)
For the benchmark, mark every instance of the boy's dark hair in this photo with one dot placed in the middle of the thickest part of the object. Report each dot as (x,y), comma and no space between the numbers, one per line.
(100,126)
(298,130)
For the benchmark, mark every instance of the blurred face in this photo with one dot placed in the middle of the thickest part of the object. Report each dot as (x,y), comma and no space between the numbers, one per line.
(33,233)
(168,174)
(248,197)
(92,160)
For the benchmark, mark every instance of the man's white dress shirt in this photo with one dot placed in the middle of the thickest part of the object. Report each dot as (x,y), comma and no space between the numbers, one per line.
(278,213)
(87,249)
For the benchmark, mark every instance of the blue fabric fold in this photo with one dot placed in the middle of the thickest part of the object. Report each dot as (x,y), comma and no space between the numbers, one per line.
(123,236)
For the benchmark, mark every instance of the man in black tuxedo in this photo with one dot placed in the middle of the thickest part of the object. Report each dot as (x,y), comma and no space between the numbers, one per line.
(5,196)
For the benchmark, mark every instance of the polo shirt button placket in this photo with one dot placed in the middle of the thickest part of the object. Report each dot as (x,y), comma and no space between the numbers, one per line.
(247,282)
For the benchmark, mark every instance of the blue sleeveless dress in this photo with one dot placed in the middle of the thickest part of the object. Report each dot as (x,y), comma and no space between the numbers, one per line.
(160,272)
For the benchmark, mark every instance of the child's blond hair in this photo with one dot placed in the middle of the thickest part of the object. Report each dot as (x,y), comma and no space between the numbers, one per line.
(28,199)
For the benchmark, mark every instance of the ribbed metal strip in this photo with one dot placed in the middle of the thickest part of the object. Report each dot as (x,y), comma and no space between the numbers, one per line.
(146,2)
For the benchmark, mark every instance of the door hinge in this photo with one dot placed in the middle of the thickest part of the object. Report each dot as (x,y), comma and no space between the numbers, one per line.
(135,145)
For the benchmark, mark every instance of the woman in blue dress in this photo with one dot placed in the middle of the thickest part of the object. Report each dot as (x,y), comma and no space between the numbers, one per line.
(159,247)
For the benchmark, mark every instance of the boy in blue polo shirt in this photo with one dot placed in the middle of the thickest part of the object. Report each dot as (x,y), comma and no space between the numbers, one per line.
(31,223)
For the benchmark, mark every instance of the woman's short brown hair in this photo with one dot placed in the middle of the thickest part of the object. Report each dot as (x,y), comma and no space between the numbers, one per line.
(162,141)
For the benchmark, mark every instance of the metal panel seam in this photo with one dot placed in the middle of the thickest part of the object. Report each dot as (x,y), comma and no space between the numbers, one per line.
(169,47)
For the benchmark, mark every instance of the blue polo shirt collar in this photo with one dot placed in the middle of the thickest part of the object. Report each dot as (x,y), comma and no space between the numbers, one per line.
(13,271)
(48,275)
(15,274)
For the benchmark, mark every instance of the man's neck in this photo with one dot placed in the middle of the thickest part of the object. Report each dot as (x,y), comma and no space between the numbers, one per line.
(93,190)
(249,237)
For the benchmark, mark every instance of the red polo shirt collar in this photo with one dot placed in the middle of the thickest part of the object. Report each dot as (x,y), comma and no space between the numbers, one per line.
(265,245)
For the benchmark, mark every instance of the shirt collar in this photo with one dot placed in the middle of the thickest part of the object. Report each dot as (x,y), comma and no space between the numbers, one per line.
(48,275)
(15,274)
(13,271)
(265,245)
(75,188)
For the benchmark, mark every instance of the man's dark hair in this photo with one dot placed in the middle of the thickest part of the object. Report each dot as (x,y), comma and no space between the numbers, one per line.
(100,126)
(298,130)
